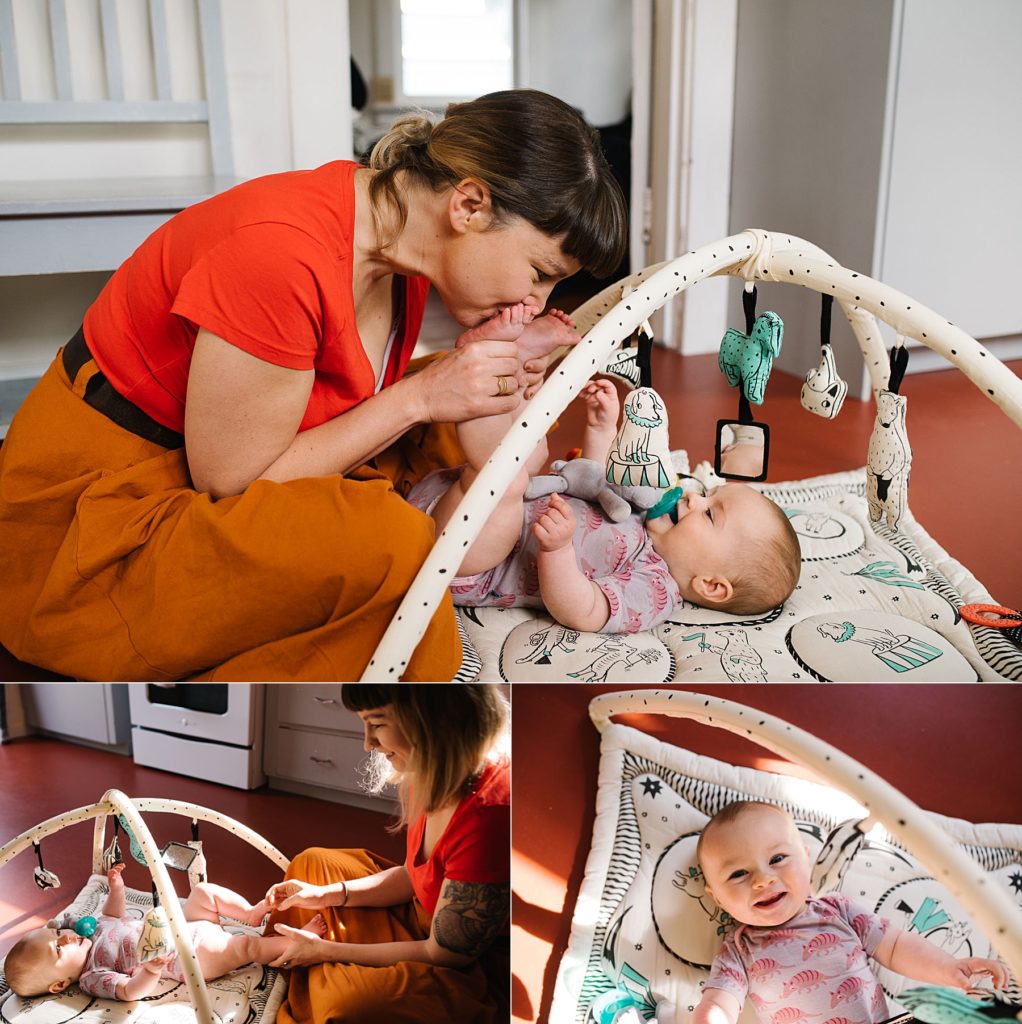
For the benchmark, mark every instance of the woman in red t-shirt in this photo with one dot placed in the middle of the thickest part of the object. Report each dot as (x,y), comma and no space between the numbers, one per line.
(403,942)
(210,477)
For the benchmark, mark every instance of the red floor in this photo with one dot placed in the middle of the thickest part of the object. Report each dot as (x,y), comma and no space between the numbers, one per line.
(42,778)
(949,748)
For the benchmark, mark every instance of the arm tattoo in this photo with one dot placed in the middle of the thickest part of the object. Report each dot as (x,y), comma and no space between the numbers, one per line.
(472,917)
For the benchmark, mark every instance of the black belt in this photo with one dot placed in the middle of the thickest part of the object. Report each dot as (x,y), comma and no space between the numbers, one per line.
(100,394)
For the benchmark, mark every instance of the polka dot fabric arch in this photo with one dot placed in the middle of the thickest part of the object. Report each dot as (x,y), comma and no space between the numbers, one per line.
(643,919)
(246,996)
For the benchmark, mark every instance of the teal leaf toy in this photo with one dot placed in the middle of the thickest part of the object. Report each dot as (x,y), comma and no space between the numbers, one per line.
(747,359)
(136,850)
(934,1005)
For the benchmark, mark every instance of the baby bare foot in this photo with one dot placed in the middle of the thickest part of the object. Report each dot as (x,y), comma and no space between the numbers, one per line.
(507,325)
(540,337)
(256,914)
(317,926)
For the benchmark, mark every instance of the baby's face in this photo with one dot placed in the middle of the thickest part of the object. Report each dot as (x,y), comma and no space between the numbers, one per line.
(757,868)
(711,531)
(60,955)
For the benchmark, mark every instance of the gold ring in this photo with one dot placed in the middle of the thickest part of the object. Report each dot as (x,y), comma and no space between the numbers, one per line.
(502,386)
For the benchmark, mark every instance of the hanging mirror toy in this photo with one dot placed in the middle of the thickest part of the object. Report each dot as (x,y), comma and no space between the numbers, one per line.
(889,458)
(823,392)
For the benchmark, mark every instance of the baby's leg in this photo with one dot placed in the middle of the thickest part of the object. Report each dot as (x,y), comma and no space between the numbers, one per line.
(219,952)
(209,902)
(502,529)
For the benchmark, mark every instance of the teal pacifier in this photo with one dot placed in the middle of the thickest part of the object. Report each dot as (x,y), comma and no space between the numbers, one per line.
(667,505)
(85,927)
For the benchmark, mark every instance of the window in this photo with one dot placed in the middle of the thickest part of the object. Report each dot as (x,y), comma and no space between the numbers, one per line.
(455,48)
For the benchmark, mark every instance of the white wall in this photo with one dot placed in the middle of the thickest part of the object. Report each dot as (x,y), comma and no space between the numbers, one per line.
(288,86)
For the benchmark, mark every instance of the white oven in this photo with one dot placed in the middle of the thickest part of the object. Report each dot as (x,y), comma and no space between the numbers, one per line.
(210,731)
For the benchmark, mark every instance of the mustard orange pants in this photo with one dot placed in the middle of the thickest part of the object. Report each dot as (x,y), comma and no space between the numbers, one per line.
(406,993)
(113,567)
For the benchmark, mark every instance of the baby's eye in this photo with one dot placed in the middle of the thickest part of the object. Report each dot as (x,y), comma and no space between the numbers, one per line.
(540,275)
(735,875)
(709,515)
(778,857)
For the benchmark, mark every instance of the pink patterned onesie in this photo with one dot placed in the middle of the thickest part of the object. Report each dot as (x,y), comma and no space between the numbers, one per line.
(814,969)
(114,955)
(618,557)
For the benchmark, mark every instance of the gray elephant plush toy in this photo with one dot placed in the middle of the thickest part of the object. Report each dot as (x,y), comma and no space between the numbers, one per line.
(586,479)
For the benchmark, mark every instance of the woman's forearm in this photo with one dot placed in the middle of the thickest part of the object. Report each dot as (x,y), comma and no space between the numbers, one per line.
(349,440)
(387,888)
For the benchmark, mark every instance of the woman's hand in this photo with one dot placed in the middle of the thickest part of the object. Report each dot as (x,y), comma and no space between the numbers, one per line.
(464,384)
(304,949)
(292,893)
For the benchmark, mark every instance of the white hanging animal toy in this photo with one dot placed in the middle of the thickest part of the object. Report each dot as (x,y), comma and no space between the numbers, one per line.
(889,461)
(641,453)
(823,392)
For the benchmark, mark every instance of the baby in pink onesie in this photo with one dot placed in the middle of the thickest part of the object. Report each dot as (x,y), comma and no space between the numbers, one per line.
(732,549)
(798,957)
(48,960)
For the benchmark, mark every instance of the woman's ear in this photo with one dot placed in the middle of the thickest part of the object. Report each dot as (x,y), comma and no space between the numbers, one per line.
(470,206)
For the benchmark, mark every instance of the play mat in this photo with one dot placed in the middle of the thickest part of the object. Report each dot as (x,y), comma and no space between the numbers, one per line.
(879,599)
(643,921)
(246,996)
(871,605)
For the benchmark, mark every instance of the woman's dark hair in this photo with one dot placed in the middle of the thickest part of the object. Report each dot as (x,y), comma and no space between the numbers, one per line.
(452,730)
(539,158)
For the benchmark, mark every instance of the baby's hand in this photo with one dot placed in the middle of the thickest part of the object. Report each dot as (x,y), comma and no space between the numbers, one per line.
(555,527)
(963,970)
(603,408)
(113,877)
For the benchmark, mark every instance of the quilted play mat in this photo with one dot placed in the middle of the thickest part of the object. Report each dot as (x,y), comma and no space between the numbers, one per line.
(643,921)
(872,605)
(246,996)
(878,600)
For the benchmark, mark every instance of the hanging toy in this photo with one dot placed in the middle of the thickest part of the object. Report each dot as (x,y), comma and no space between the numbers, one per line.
(824,391)
(43,878)
(747,359)
(197,868)
(155,940)
(112,854)
(133,845)
(890,456)
(641,454)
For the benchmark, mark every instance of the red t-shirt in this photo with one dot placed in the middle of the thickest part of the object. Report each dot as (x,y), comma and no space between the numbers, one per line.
(475,846)
(267,266)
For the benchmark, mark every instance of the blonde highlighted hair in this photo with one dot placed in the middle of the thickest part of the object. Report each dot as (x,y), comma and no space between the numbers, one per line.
(453,731)
(538,157)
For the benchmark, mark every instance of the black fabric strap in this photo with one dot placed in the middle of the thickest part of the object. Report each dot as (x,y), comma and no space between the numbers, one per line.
(825,311)
(100,394)
(749,305)
(899,363)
